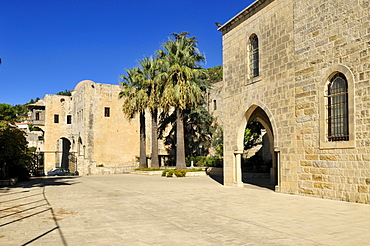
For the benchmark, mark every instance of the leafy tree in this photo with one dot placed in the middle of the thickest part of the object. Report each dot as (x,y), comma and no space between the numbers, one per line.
(65,93)
(198,130)
(252,134)
(32,101)
(7,112)
(218,141)
(214,74)
(182,88)
(21,111)
(15,158)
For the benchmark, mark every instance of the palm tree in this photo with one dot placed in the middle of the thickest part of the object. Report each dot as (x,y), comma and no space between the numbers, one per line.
(135,101)
(151,69)
(141,92)
(182,89)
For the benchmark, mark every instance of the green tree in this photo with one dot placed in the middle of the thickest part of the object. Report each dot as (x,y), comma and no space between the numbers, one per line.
(32,101)
(15,158)
(65,93)
(215,74)
(141,90)
(151,70)
(252,134)
(182,89)
(21,111)
(7,112)
(218,141)
(198,131)
(135,101)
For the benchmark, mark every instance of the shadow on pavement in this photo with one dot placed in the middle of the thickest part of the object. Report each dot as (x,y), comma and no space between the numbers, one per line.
(20,206)
(218,178)
(260,182)
(47,181)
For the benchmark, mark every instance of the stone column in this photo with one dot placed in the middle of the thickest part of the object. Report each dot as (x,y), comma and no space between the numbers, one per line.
(238,168)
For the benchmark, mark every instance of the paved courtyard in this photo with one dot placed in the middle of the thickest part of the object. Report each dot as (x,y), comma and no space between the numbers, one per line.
(132,209)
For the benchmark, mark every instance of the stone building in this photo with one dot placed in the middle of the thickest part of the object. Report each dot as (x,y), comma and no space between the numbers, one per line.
(301,68)
(87,131)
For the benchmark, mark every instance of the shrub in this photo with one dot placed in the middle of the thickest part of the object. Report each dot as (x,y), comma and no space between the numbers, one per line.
(179,173)
(164,173)
(170,172)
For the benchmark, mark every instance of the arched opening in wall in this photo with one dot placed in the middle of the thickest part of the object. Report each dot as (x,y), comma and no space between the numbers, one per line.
(258,162)
(63,150)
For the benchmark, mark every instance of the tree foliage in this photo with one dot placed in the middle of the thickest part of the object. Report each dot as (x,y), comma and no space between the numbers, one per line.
(141,89)
(183,81)
(65,93)
(7,112)
(198,131)
(174,84)
(252,134)
(215,74)
(15,113)
(15,158)
(218,141)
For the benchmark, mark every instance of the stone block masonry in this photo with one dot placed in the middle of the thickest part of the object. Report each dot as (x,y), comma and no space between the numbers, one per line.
(302,45)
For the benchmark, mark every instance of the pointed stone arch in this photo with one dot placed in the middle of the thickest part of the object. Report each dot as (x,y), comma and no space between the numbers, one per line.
(257,110)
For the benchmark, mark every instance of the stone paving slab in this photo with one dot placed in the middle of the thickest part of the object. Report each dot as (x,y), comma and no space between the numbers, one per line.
(129,209)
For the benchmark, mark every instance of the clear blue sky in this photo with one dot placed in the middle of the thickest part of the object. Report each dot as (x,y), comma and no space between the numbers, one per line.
(47,46)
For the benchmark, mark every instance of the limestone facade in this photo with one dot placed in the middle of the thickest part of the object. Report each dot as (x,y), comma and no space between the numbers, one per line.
(302,46)
(87,132)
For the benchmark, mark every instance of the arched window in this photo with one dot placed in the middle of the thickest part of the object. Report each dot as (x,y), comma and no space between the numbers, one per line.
(338,108)
(254,57)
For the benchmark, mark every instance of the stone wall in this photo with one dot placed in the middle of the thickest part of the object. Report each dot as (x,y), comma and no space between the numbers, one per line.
(301,44)
(332,36)
(61,106)
(96,138)
(273,91)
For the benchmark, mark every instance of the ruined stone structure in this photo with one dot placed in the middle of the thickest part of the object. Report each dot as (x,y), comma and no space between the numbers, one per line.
(87,132)
(302,68)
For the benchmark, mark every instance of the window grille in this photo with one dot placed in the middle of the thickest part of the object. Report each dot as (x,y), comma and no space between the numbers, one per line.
(338,109)
(254,57)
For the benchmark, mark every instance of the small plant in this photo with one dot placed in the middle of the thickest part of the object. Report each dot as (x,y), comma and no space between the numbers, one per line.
(170,172)
(100,165)
(179,173)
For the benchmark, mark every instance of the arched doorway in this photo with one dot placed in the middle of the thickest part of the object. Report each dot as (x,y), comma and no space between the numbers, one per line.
(268,167)
(63,149)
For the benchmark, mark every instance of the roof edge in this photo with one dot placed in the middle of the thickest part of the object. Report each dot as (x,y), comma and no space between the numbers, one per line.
(244,14)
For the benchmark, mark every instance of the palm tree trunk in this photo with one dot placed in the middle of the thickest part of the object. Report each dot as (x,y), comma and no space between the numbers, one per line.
(180,142)
(155,160)
(143,163)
